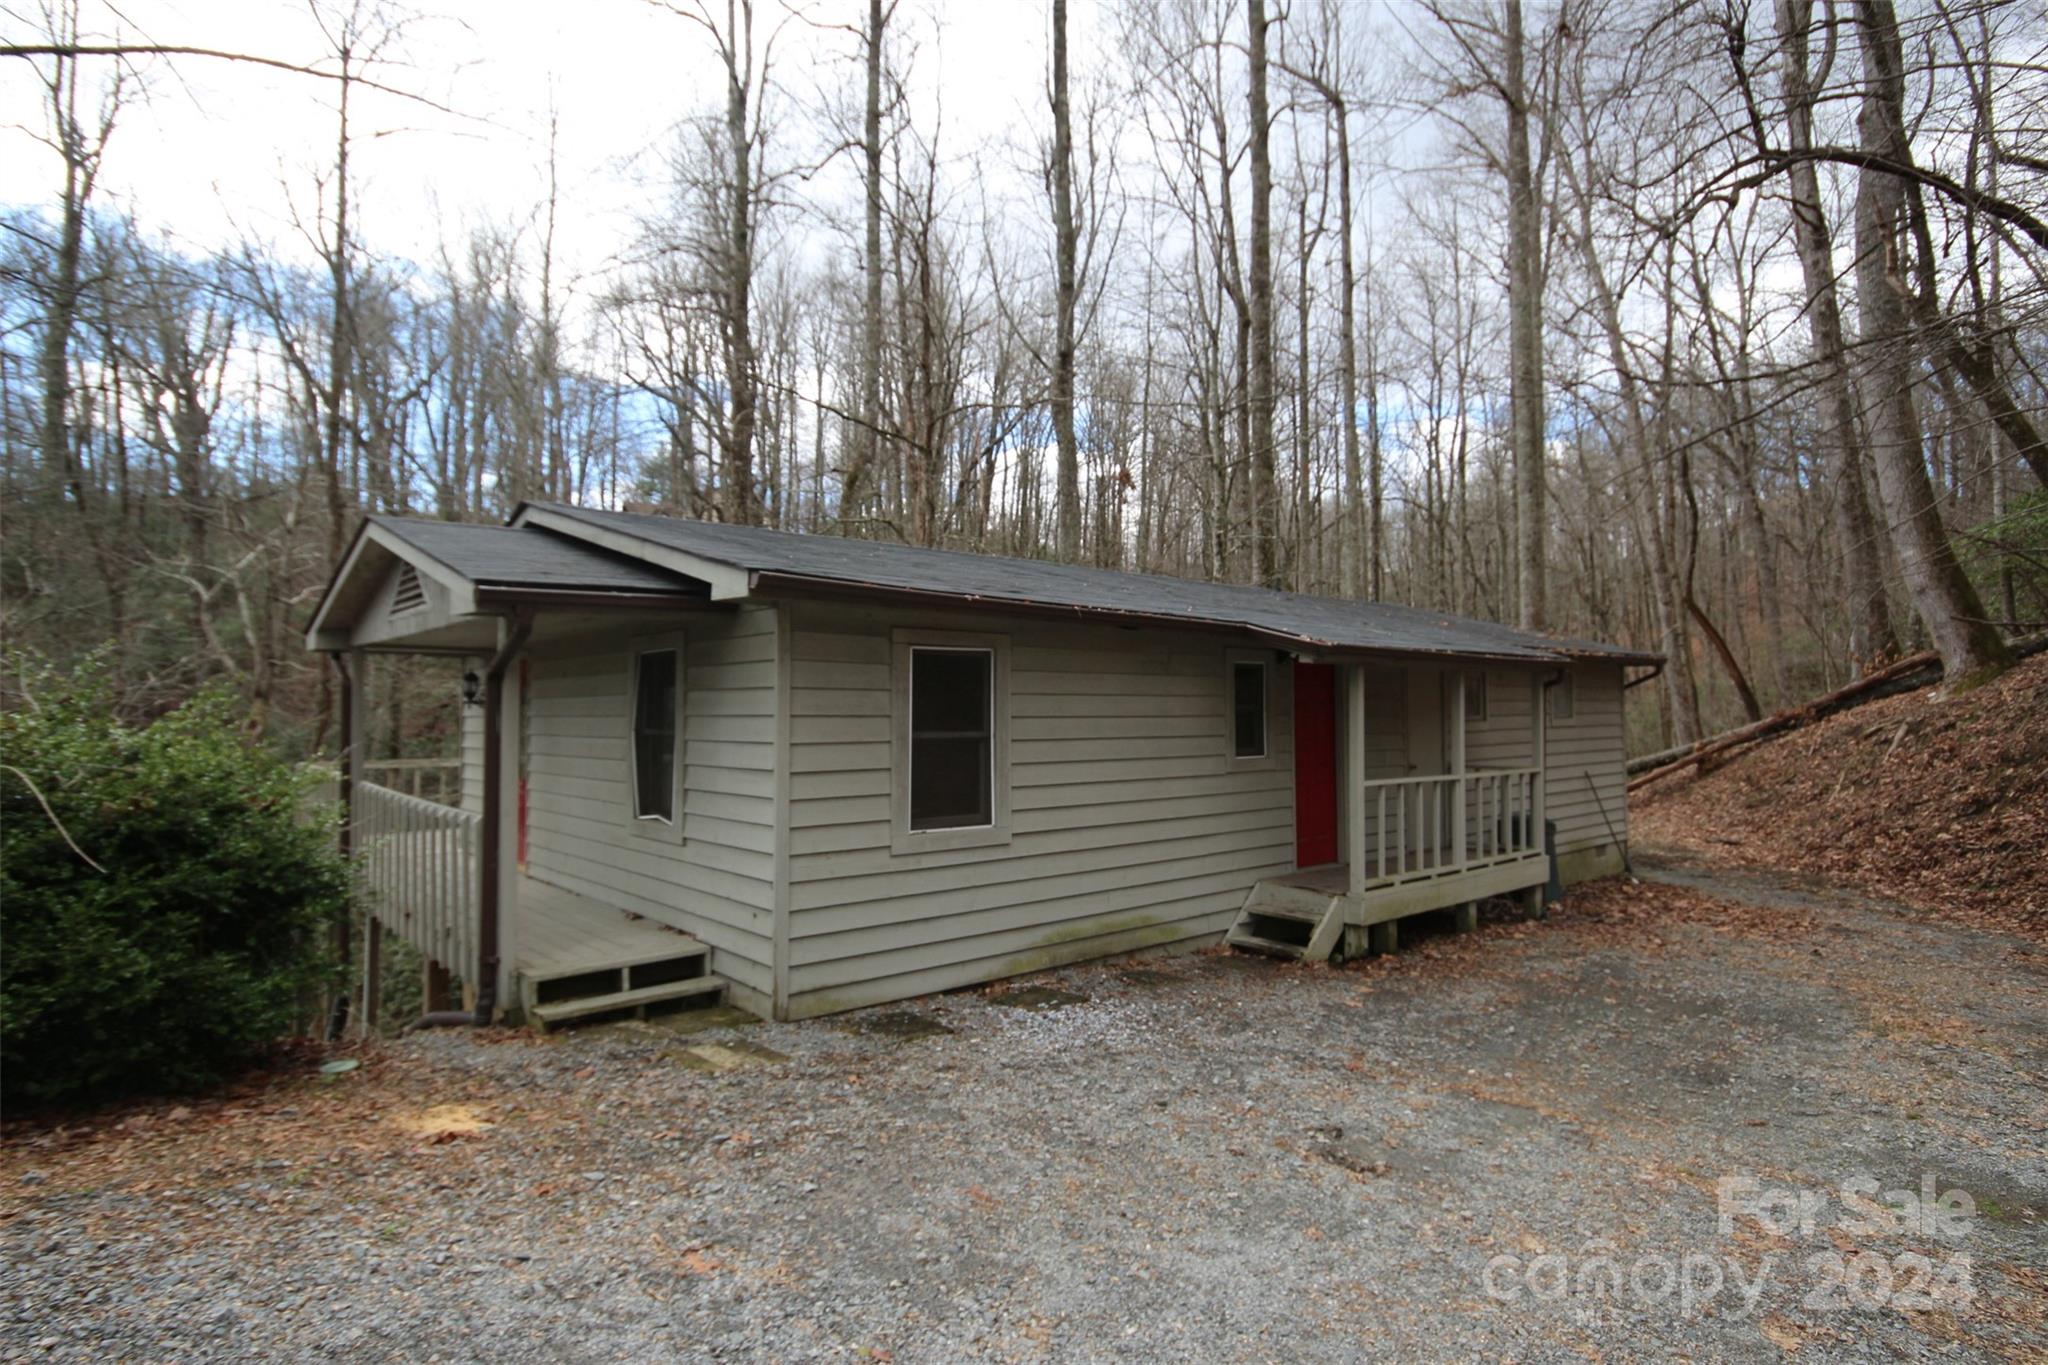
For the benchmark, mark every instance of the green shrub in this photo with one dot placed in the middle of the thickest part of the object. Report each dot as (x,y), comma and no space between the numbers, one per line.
(198,939)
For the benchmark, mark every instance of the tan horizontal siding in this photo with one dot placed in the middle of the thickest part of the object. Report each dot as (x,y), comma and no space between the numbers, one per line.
(1386,722)
(1505,739)
(1589,743)
(1129,827)
(715,875)
(1204,919)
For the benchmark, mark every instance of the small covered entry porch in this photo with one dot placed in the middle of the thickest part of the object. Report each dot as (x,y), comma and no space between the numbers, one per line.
(439,846)
(1419,786)
(565,956)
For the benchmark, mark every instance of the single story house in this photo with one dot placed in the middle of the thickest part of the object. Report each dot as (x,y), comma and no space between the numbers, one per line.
(814,773)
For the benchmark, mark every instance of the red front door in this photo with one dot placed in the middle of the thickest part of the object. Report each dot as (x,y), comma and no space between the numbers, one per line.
(1315,765)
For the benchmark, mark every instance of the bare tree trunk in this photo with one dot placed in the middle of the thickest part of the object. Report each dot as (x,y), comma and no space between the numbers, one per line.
(736,320)
(1354,575)
(340,330)
(1942,593)
(1870,629)
(865,455)
(1375,496)
(60,315)
(1525,332)
(1263,493)
(1065,239)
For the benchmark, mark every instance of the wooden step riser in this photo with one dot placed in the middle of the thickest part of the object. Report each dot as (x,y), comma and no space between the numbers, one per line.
(1252,943)
(622,1002)
(561,987)
(1293,897)
(684,949)
(1275,910)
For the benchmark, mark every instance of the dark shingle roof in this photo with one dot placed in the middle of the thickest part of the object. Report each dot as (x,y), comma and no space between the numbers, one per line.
(1329,622)
(501,556)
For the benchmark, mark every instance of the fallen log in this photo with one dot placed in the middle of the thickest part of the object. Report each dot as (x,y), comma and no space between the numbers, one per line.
(1871,686)
(1793,717)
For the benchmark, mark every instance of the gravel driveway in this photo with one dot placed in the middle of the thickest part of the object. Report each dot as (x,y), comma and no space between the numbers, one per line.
(1515,1143)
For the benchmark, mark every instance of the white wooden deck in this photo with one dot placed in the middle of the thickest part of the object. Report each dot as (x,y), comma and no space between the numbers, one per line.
(420,877)
(561,933)
(1392,898)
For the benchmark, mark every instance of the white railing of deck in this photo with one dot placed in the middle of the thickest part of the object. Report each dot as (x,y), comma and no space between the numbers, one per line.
(419,863)
(1428,826)
(436,779)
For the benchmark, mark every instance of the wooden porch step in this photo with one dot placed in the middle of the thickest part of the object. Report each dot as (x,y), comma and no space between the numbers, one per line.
(1306,914)
(1274,908)
(1299,900)
(681,949)
(1271,947)
(619,1001)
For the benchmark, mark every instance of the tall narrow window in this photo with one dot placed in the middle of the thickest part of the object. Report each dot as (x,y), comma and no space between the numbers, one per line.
(1475,694)
(952,738)
(1248,710)
(654,735)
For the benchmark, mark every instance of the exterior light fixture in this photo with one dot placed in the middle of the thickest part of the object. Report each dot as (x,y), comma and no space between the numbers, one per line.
(472,687)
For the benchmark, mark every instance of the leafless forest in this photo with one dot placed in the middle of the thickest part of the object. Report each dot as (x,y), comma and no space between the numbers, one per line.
(1717,327)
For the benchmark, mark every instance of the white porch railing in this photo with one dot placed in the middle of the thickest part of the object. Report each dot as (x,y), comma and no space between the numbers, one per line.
(419,866)
(436,779)
(1430,826)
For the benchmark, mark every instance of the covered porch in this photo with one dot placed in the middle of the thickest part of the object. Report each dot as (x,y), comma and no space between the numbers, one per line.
(568,955)
(1463,823)
(439,844)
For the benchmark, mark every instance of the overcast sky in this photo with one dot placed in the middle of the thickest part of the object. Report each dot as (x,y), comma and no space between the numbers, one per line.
(216,152)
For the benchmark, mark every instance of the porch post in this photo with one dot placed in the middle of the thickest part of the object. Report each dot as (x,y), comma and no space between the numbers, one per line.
(373,976)
(355,740)
(1354,773)
(1539,722)
(501,742)
(1456,764)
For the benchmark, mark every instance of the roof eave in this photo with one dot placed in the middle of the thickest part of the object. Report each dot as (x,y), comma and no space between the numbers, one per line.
(490,595)
(808,585)
(321,636)
(726,580)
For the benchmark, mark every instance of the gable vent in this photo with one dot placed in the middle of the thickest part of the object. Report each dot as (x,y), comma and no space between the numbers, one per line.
(410,594)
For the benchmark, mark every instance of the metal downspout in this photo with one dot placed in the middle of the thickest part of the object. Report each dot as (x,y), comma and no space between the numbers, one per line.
(489,883)
(337,1017)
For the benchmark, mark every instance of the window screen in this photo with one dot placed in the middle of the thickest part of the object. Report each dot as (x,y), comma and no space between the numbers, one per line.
(952,740)
(1248,710)
(654,735)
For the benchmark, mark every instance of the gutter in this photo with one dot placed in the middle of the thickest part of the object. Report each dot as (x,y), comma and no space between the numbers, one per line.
(1656,670)
(345,838)
(514,595)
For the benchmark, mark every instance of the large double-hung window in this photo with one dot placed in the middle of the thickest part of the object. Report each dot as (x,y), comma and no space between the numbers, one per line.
(951,770)
(952,738)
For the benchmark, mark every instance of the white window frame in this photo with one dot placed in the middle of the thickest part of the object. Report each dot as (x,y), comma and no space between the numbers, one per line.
(1475,696)
(903,839)
(641,647)
(1232,659)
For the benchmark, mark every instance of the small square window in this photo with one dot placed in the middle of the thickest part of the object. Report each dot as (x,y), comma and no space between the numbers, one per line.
(654,735)
(1563,699)
(952,739)
(1475,695)
(1248,710)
